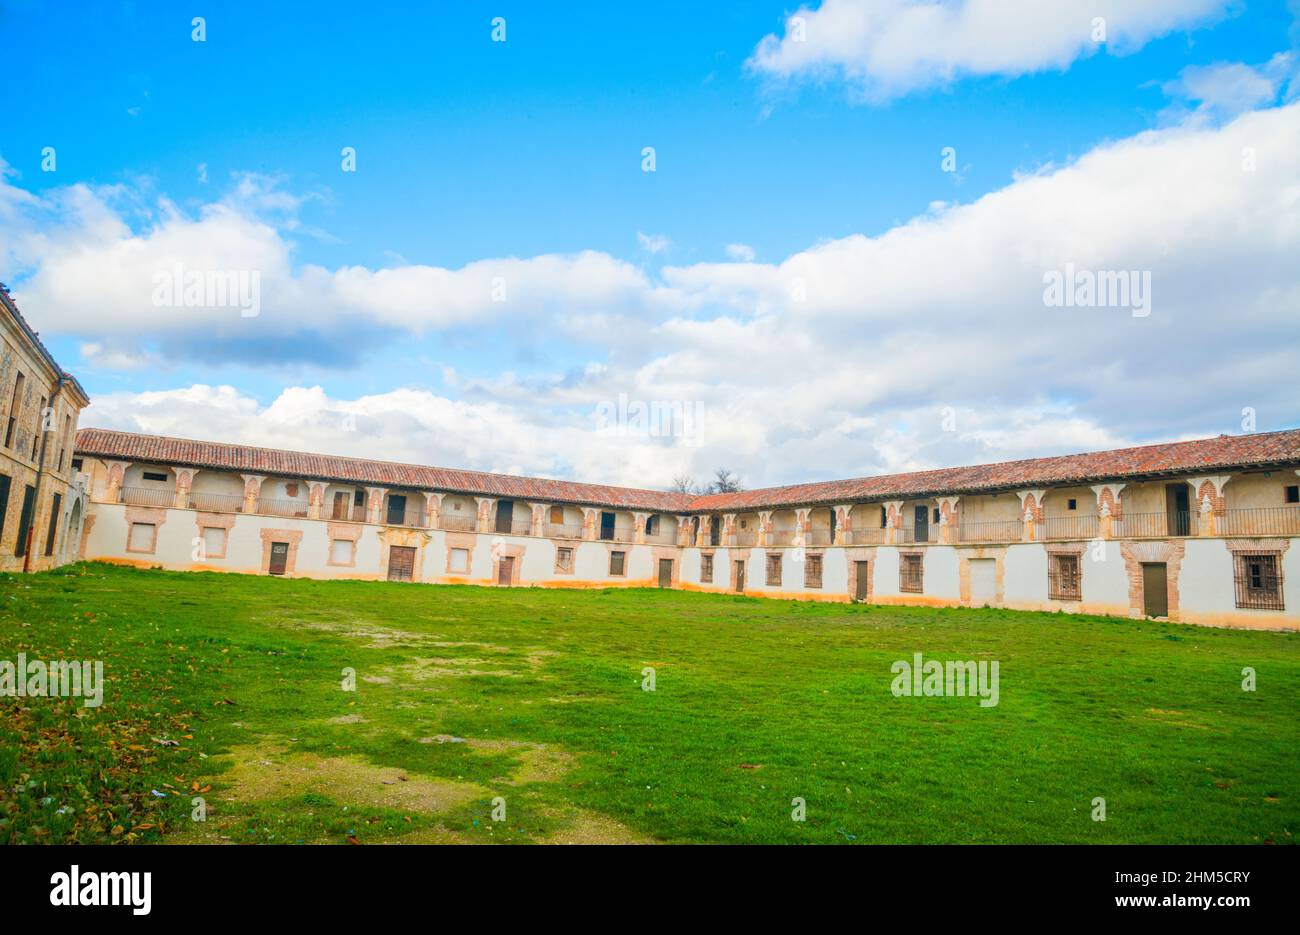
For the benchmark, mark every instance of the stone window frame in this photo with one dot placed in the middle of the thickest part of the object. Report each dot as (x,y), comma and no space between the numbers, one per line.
(904,586)
(225,540)
(560,568)
(773,563)
(1241,589)
(706,557)
(469,556)
(1056,579)
(153,537)
(336,530)
(812,559)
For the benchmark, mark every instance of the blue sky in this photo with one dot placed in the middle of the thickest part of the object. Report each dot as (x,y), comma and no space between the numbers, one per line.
(471,151)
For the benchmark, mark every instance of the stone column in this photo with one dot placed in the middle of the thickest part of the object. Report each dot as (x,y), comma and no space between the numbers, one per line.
(843,524)
(702,532)
(764,526)
(485,518)
(1031,510)
(184,481)
(537,526)
(116,477)
(375,504)
(315,499)
(685,539)
(432,509)
(893,521)
(638,528)
(949,532)
(1110,507)
(252,491)
(589,519)
(1207,491)
(728,529)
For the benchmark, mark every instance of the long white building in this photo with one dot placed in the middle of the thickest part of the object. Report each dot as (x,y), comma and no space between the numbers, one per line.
(1198,532)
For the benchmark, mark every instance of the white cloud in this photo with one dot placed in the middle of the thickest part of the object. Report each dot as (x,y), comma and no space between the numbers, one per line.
(887,48)
(835,361)
(741,252)
(653,243)
(1226,89)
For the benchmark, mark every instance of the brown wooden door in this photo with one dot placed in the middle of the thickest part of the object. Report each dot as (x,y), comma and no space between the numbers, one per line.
(740,575)
(665,572)
(1155,589)
(921,519)
(341,501)
(396,509)
(1178,510)
(505,570)
(279,557)
(401,562)
(861,580)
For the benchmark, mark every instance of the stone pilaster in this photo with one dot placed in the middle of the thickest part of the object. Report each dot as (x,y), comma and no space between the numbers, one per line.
(638,527)
(1110,507)
(1031,511)
(685,539)
(375,504)
(184,481)
(764,526)
(843,524)
(315,498)
(116,477)
(537,524)
(948,520)
(252,491)
(1207,491)
(432,509)
(893,521)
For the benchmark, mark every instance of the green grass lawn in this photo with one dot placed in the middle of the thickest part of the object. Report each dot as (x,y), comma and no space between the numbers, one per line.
(229,687)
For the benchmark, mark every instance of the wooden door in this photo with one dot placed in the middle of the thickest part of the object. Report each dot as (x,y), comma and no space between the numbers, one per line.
(861,580)
(401,562)
(341,501)
(740,575)
(505,570)
(396,509)
(279,557)
(505,516)
(607,526)
(1155,589)
(665,572)
(922,523)
(1178,508)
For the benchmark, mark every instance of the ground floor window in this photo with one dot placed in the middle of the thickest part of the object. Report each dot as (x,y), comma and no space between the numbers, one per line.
(909,572)
(617,562)
(214,542)
(812,571)
(342,551)
(1063,582)
(564,561)
(141,537)
(1259,580)
(774,569)
(706,567)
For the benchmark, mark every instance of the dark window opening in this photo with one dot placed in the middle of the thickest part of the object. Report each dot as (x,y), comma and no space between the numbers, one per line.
(1259,580)
(56,506)
(153,475)
(25,520)
(1293,493)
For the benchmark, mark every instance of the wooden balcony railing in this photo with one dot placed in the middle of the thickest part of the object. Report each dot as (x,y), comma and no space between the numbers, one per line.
(148,496)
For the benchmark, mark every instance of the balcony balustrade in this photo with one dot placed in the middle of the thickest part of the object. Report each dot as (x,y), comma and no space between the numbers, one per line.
(296,509)
(911,534)
(148,496)
(867,535)
(217,502)
(1259,521)
(563,530)
(1069,527)
(458,522)
(1002,530)
(1155,525)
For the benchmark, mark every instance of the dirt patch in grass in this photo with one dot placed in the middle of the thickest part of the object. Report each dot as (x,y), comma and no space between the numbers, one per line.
(263,773)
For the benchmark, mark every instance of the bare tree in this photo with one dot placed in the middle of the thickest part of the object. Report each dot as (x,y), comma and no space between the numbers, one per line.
(724,482)
(683,483)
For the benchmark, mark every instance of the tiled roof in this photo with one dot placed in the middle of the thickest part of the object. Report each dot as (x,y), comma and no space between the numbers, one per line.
(12,308)
(1226,452)
(128,446)
(1203,455)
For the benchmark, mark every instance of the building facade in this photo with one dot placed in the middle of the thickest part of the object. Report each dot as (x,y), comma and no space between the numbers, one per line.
(1198,532)
(39,405)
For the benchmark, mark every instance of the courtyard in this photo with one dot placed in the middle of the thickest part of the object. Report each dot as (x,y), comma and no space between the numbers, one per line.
(300,711)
